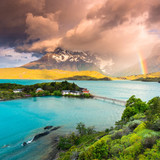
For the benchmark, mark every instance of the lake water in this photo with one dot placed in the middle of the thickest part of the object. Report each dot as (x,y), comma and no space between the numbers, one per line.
(21,119)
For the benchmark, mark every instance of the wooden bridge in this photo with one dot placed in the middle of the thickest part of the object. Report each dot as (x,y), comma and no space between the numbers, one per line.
(110,99)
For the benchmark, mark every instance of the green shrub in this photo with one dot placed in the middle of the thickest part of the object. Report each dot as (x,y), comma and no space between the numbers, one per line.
(99,150)
(153,153)
(134,106)
(81,128)
(148,142)
(64,143)
(133,150)
(117,134)
(153,114)
(57,93)
(140,127)
(133,124)
(116,149)
(125,140)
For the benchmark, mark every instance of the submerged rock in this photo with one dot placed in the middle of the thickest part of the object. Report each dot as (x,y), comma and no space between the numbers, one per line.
(40,135)
(5,146)
(48,127)
(24,144)
(55,128)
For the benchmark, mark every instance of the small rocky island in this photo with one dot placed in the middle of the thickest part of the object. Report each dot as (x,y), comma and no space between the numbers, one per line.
(9,91)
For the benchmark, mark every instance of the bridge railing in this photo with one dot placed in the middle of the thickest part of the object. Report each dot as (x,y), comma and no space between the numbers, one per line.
(110,99)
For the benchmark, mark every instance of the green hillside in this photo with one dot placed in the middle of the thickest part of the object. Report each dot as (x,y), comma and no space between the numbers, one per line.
(135,136)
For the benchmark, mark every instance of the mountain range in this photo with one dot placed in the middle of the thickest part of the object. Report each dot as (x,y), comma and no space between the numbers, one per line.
(84,61)
(65,60)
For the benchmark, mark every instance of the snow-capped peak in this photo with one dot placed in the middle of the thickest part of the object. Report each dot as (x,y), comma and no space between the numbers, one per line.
(61,55)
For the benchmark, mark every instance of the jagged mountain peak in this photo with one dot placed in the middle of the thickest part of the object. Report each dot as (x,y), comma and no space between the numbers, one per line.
(66,60)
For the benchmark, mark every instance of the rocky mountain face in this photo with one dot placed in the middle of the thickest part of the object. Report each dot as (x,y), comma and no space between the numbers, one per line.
(65,60)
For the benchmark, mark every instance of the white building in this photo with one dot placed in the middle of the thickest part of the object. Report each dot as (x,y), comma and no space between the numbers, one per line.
(65,92)
(76,93)
(17,90)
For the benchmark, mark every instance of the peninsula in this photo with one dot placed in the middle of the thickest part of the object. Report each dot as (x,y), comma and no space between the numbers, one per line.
(9,91)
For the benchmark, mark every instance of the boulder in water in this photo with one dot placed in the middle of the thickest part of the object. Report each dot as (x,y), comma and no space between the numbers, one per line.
(24,144)
(40,135)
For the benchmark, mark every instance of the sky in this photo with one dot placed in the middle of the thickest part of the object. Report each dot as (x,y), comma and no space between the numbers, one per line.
(115,30)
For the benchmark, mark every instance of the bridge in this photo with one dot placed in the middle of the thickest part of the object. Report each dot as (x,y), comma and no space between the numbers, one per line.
(110,99)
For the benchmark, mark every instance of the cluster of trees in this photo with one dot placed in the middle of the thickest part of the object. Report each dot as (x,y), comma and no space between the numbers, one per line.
(7,95)
(83,132)
(52,86)
(135,136)
(10,86)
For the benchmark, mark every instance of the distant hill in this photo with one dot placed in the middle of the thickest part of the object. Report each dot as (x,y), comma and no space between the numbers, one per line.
(88,78)
(23,73)
(152,77)
(65,60)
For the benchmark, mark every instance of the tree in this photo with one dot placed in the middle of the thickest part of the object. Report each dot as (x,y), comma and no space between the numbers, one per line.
(57,93)
(81,128)
(153,114)
(133,106)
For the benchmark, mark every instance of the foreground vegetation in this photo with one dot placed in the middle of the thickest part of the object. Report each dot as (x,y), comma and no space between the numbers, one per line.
(135,136)
(7,90)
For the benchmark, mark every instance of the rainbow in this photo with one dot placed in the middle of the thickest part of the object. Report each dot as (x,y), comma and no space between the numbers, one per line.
(142,63)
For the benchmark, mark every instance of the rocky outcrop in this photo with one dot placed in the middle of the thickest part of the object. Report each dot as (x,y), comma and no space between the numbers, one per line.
(49,130)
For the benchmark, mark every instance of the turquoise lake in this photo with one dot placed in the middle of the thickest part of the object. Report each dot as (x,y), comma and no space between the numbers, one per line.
(21,119)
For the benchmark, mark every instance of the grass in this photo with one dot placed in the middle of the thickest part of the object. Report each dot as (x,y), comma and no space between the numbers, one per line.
(23,73)
(151,77)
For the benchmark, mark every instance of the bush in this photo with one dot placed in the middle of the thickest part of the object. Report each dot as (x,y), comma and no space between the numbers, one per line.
(140,127)
(153,153)
(99,150)
(133,150)
(116,149)
(134,106)
(118,134)
(153,114)
(82,130)
(90,130)
(148,142)
(133,124)
(64,143)
(57,93)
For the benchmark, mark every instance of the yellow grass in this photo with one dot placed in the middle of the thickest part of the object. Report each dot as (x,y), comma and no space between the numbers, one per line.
(23,73)
(151,75)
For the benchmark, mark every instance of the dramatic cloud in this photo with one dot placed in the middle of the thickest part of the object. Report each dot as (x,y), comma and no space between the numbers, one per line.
(113,29)
(39,27)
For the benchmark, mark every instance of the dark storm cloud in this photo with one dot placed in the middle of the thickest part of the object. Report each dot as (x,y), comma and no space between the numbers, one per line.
(12,20)
(13,17)
(154,16)
(115,29)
